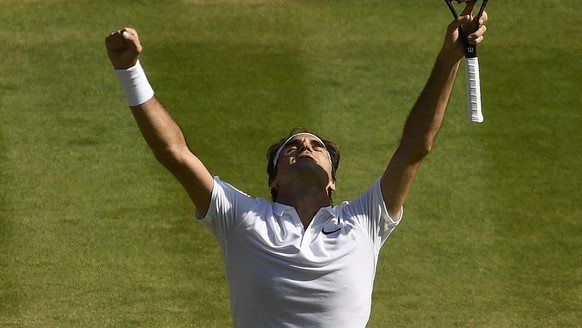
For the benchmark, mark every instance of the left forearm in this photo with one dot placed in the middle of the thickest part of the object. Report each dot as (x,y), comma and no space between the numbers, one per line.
(426,116)
(420,130)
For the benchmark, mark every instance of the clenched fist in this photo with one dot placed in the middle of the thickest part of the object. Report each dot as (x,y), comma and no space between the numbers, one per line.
(123,48)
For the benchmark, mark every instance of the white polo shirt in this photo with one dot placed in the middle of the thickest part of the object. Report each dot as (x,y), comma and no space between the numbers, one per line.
(282,275)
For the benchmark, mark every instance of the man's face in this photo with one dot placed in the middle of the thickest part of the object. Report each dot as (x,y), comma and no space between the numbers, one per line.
(304,153)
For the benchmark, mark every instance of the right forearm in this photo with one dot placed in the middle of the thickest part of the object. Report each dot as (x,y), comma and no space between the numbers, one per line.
(161,132)
(158,128)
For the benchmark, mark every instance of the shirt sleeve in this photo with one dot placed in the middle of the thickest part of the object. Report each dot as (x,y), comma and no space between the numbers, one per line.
(369,210)
(228,206)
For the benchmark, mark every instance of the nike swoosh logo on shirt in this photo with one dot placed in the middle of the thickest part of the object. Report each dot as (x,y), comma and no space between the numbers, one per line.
(329,232)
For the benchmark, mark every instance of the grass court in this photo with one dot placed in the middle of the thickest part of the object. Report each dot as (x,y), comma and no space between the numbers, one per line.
(95,233)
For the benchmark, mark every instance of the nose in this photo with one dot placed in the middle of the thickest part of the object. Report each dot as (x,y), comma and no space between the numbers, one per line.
(305,145)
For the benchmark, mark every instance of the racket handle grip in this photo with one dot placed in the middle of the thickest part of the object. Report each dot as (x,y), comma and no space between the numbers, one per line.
(473,90)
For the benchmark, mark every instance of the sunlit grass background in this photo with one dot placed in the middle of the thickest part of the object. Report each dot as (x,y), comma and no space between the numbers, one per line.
(94,233)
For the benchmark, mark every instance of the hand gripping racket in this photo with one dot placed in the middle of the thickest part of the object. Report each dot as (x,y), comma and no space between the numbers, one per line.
(472,67)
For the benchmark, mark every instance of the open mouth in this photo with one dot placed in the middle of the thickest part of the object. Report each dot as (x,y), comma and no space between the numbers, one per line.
(306,157)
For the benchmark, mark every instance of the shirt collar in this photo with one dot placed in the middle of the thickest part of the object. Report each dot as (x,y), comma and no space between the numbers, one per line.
(279,209)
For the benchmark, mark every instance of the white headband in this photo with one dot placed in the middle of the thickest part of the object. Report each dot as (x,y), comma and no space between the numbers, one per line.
(278,153)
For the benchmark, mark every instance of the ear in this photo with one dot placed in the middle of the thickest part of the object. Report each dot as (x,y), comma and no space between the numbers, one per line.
(272,183)
(331,186)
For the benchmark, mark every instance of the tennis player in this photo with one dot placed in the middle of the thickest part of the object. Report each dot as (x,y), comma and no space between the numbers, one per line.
(298,260)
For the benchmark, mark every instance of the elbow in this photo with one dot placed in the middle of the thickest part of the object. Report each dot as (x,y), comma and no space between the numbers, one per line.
(420,152)
(416,150)
(170,158)
(424,149)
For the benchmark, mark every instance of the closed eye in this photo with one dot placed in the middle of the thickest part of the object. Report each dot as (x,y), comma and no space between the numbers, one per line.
(317,145)
(297,144)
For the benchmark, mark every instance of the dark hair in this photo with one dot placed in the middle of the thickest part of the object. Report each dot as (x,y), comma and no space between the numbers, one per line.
(332,148)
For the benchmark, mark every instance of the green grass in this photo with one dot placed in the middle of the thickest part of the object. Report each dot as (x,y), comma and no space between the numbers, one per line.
(94,233)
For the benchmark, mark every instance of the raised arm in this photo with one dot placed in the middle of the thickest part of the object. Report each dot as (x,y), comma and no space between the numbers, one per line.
(162,134)
(426,116)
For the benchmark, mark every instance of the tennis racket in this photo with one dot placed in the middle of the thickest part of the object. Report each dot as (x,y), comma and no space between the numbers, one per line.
(472,66)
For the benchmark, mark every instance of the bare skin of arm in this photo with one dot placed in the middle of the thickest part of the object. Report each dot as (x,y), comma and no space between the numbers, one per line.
(162,134)
(167,142)
(427,114)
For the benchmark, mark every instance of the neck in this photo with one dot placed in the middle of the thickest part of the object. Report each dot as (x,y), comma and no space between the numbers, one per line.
(307,200)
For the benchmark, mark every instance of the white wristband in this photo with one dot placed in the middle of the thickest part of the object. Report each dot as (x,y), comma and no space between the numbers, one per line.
(135,85)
